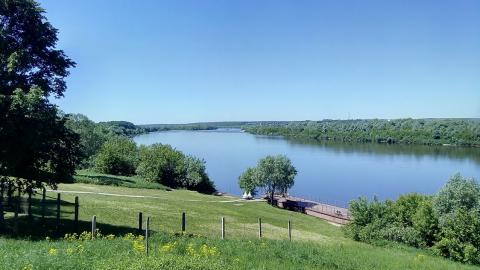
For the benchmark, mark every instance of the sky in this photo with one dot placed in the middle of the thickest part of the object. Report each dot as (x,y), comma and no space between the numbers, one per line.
(180,61)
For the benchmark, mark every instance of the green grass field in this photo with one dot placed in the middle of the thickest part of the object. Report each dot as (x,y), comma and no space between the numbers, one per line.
(316,244)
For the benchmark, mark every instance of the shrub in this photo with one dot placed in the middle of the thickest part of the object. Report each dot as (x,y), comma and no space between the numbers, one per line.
(195,176)
(367,219)
(449,222)
(458,193)
(460,236)
(405,208)
(161,163)
(425,221)
(117,156)
(165,165)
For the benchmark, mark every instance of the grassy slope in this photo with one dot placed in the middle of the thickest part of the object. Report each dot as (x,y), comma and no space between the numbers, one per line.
(317,244)
(90,177)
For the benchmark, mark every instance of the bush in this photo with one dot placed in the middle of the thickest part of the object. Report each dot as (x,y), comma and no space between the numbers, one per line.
(368,218)
(449,222)
(458,193)
(117,156)
(406,235)
(460,236)
(160,163)
(405,208)
(195,176)
(167,166)
(425,221)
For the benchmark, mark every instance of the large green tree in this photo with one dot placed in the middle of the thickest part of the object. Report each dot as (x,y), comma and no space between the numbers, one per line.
(35,145)
(118,156)
(248,181)
(161,163)
(275,174)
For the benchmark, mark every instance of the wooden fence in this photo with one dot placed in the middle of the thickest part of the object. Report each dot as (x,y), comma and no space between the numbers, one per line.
(46,213)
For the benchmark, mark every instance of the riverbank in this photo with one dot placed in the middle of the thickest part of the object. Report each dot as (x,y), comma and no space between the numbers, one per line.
(448,131)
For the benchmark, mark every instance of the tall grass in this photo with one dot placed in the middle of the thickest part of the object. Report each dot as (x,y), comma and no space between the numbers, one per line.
(169,251)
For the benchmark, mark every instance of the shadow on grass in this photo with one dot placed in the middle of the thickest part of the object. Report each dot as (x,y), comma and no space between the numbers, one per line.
(43,222)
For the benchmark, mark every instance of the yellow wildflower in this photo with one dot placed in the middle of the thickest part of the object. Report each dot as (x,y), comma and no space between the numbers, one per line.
(129,236)
(168,247)
(208,251)
(109,237)
(190,250)
(70,237)
(28,267)
(138,246)
(52,251)
(80,248)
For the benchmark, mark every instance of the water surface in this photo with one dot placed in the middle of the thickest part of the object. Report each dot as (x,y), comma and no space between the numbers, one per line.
(328,172)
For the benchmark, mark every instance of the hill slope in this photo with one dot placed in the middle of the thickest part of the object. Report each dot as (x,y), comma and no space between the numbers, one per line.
(316,244)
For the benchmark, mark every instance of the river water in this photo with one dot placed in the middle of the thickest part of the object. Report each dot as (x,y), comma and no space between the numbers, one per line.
(328,172)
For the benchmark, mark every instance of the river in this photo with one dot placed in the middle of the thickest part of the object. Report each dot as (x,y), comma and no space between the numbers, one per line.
(328,172)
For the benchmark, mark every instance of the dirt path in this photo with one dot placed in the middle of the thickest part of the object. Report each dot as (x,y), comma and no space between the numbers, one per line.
(146,196)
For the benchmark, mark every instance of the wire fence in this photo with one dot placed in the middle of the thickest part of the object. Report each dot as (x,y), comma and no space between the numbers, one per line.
(40,214)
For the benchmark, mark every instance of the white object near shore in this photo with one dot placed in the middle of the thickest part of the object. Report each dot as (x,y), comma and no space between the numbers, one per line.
(247,196)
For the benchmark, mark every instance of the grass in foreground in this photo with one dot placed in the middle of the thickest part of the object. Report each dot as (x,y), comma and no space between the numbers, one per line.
(168,251)
(316,244)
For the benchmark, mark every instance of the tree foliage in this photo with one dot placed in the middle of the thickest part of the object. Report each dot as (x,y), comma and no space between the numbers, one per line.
(165,165)
(272,173)
(448,223)
(458,194)
(463,132)
(117,156)
(92,136)
(248,181)
(35,145)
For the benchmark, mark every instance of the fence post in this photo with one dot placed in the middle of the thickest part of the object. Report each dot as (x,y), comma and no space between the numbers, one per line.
(140,221)
(94,226)
(75,224)
(44,195)
(147,228)
(17,210)
(183,222)
(30,203)
(259,228)
(9,194)
(1,204)
(289,230)
(58,213)
(223,228)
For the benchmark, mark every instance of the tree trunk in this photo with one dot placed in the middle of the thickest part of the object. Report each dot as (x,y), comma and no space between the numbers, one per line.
(272,193)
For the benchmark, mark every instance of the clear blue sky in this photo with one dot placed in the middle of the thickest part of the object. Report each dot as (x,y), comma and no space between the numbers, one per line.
(154,61)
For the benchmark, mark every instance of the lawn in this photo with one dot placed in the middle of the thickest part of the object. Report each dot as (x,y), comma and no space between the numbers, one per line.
(315,244)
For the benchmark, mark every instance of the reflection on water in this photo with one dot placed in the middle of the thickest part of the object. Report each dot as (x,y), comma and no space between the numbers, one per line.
(450,152)
(330,172)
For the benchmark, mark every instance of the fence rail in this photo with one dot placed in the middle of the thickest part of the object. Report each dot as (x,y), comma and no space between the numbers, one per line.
(54,214)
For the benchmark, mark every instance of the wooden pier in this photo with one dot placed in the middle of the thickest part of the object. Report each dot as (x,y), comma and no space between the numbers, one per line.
(327,212)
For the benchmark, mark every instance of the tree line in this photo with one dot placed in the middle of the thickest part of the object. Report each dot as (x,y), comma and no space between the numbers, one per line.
(461,132)
(107,149)
(448,223)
